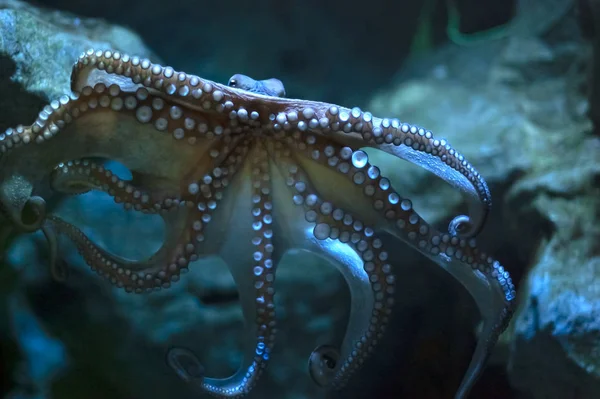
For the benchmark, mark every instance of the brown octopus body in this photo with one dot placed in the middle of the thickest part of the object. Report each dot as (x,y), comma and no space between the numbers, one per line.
(248,175)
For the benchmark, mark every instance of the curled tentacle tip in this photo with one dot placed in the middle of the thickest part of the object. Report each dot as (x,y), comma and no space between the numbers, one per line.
(33,214)
(462,227)
(322,364)
(185,364)
(58,269)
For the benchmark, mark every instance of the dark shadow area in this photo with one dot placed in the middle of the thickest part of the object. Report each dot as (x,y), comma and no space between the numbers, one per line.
(334,51)
(18,107)
(220,298)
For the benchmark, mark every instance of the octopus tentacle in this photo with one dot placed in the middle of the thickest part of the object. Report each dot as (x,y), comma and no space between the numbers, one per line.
(81,176)
(160,269)
(355,128)
(252,261)
(484,278)
(186,364)
(127,110)
(358,253)
(184,221)
(133,276)
(94,67)
(58,269)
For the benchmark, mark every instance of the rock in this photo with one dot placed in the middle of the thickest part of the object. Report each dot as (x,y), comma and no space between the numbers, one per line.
(556,347)
(38,48)
(519,115)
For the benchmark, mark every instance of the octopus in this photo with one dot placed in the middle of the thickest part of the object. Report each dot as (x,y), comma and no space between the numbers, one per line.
(242,172)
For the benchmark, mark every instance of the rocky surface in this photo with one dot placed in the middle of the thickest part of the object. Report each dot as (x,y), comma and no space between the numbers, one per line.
(555,351)
(520,115)
(38,48)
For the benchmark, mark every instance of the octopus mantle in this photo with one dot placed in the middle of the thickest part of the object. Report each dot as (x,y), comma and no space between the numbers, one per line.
(240,171)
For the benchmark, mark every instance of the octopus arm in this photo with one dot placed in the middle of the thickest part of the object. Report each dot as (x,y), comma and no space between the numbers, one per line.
(194,231)
(131,73)
(130,124)
(157,271)
(275,209)
(355,128)
(245,208)
(313,221)
(350,181)
(494,294)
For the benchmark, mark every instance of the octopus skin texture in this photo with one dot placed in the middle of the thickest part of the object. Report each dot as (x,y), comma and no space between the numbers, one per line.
(242,172)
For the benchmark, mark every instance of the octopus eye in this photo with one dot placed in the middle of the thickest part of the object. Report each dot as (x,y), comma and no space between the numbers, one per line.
(233,82)
(322,364)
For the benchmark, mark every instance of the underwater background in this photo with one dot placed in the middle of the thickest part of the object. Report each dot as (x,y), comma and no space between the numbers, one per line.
(512,84)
